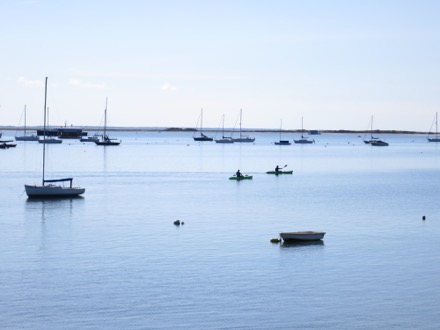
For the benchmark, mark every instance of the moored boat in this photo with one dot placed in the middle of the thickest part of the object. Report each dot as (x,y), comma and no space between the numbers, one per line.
(105,140)
(48,189)
(202,137)
(243,138)
(25,136)
(295,236)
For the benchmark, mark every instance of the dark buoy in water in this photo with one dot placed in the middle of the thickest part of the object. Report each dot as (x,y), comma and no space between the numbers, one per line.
(183,223)
(275,240)
(423,218)
(177,222)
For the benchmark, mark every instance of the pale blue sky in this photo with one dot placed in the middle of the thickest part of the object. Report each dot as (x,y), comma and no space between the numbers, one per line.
(335,63)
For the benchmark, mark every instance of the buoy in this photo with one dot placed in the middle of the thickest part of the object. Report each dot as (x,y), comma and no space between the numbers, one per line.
(183,223)
(423,218)
(275,240)
(177,222)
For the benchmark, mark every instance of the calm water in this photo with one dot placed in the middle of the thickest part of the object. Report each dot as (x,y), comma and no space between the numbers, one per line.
(114,259)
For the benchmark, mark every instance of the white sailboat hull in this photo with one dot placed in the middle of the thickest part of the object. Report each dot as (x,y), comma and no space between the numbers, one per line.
(53,191)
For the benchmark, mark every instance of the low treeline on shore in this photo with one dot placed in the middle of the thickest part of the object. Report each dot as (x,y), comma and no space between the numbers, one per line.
(185,129)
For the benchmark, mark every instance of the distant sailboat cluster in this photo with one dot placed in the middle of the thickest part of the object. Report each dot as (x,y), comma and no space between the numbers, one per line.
(201,137)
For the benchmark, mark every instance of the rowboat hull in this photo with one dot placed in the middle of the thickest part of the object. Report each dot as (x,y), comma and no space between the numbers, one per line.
(239,178)
(302,236)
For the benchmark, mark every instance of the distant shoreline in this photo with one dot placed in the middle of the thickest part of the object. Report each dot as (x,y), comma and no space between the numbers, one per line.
(191,130)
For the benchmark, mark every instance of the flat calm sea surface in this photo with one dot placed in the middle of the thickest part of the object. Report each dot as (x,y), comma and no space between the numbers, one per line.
(114,260)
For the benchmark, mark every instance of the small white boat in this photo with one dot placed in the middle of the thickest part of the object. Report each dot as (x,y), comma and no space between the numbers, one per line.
(302,236)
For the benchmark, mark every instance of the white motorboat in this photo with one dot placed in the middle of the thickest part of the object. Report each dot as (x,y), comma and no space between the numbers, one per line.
(302,236)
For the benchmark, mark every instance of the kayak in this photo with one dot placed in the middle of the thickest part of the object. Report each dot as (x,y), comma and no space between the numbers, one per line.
(239,178)
(280,172)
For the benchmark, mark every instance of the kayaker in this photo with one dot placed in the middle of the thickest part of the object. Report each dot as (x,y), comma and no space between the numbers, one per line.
(238,174)
(277,169)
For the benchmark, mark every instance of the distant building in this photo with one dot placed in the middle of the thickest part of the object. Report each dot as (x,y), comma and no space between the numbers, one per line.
(63,133)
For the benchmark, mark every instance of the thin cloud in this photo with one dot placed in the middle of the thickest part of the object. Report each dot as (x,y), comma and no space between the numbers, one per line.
(84,84)
(168,87)
(30,83)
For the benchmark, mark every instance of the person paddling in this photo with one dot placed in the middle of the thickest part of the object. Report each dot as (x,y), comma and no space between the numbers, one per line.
(238,174)
(277,169)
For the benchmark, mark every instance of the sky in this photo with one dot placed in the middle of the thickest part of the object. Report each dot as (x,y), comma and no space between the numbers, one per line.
(334,63)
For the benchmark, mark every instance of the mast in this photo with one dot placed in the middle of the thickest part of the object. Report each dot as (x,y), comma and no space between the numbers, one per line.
(240,122)
(436,125)
(105,118)
(302,127)
(44,129)
(281,125)
(25,119)
(201,122)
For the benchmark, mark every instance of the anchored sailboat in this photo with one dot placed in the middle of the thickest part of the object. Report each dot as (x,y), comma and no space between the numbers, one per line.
(375,141)
(282,142)
(243,138)
(436,138)
(48,189)
(303,139)
(25,136)
(105,140)
(224,139)
(202,137)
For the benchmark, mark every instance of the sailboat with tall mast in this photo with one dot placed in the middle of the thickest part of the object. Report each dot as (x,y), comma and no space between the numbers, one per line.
(202,137)
(25,136)
(436,138)
(243,138)
(375,141)
(105,140)
(224,139)
(303,139)
(282,142)
(48,188)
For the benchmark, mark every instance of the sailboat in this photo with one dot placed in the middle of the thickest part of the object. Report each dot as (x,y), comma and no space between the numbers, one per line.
(436,138)
(105,140)
(282,142)
(224,139)
(48,189)
(25,136)
(202,137)
(375,141)
(303,139)
(243,138)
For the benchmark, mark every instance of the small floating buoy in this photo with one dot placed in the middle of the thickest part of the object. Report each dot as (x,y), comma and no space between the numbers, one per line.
(183,223)
(275,240)
(177,222)
(423,218)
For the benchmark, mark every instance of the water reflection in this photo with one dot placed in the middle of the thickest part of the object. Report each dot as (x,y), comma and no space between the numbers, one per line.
(304,244)
(55,217)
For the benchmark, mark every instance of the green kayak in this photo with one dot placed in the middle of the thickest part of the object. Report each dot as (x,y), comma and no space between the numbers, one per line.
(239,178)
(280,172)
